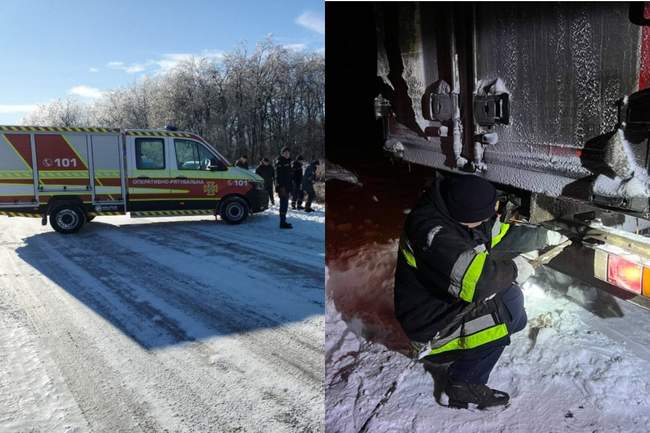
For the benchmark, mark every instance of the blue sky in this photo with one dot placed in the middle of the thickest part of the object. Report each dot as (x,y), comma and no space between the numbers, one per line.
(54,49)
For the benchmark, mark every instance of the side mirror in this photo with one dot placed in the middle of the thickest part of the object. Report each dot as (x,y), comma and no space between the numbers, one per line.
(217,165)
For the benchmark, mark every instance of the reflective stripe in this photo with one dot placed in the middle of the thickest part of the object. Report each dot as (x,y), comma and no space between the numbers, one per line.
(458,271)
(154,133)
(472,276)
(55,129)
(488,335)
(469,328)
(54,174)
(466,272)
(407,251)
(172,212)
(478,324)
(498,232)
(410,259)
(20,214)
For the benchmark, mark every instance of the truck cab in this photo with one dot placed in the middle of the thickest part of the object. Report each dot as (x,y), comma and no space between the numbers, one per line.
(72,175)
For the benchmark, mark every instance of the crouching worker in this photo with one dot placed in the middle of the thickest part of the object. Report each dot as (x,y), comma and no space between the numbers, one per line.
(457,292)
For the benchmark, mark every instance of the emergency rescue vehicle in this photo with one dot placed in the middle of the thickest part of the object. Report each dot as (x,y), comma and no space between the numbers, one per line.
(72,175)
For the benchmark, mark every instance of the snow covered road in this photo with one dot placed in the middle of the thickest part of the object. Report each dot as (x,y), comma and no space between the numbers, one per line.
(171,324)
(568,371)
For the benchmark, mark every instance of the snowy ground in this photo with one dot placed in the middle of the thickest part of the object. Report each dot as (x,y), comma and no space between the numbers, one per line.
(568,371)
(170,324)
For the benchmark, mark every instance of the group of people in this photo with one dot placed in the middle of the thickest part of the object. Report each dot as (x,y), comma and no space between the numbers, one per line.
(289,180)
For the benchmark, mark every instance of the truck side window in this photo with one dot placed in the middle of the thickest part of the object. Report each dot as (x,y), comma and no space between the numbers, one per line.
(190,155)
(150,153)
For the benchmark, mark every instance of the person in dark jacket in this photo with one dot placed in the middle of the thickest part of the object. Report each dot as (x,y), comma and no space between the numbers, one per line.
(297,194)
(457,293)
(308,184)
(283,184)
(242,162)
(265,171)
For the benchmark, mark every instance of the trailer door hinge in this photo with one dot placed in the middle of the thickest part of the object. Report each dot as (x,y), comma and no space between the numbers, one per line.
(492,109)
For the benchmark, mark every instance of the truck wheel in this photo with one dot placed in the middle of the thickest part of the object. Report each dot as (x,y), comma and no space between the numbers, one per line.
(234,210)
(67,219)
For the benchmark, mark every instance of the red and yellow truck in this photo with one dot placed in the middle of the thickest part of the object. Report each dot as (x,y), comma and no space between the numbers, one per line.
(73,174)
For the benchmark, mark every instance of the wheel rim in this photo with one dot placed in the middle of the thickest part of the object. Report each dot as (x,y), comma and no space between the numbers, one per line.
(234,211)
(67,219)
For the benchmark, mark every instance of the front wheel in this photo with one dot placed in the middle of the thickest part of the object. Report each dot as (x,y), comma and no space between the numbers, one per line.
(67,219)
(234,210)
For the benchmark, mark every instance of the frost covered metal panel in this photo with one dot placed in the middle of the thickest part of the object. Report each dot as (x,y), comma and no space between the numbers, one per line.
(564,65)
(561,69)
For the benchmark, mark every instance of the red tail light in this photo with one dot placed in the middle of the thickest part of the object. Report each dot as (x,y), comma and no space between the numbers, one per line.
(624,274)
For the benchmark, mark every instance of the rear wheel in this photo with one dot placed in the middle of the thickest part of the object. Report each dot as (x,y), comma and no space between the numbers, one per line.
(67,219)
(234,210)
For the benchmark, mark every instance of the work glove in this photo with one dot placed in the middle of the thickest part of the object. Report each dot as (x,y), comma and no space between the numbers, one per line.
(554,238)
(524,269)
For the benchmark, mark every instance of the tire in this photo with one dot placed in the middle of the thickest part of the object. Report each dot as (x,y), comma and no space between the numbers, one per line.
(234,210)
(67,219)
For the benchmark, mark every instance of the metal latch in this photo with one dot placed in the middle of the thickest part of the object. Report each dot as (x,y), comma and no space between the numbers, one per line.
(492,109)
(438,104)
(382,107)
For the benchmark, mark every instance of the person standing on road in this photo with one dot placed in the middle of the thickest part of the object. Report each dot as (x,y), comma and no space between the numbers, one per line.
(296,196)
(308,184)
(457,284)
(265,171)
(284,183)
(242,162)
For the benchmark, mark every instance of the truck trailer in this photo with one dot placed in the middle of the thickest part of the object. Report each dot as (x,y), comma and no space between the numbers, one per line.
(72,174)
(550,101)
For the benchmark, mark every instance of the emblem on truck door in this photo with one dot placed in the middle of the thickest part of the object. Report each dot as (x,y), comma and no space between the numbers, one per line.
(210,188)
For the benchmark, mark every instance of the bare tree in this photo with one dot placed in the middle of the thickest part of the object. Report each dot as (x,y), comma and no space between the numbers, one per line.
(248,103)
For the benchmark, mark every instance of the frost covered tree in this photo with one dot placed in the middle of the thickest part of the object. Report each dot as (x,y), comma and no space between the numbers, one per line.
(246,103)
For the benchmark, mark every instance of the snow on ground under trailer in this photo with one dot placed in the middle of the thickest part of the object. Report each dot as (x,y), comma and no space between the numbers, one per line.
(569,370)
(178,324)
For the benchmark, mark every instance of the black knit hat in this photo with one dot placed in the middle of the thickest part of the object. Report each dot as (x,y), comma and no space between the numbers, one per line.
(469,199)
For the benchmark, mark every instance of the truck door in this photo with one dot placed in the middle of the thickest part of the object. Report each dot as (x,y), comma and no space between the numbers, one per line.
(191,173)
(148,173)
(16,176)
(62,163)
(107,168)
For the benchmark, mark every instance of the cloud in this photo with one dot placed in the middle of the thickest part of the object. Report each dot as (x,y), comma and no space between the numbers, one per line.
(129,69)
(312,21)
(86,91)
(93,70)
(17,108)
(295,47)
(166,62)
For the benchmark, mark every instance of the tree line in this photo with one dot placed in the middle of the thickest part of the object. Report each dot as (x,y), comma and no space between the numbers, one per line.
(245,104)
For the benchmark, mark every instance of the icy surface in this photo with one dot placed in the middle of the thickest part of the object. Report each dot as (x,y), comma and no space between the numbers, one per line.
(178,324)
(569,370)
(335,171)
(632,180)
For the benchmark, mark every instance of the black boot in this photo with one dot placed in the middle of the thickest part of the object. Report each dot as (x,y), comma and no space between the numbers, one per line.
(460,394)
(308,209)
(285,225)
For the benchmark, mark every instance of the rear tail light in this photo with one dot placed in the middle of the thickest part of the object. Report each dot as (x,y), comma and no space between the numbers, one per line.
(622,272)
